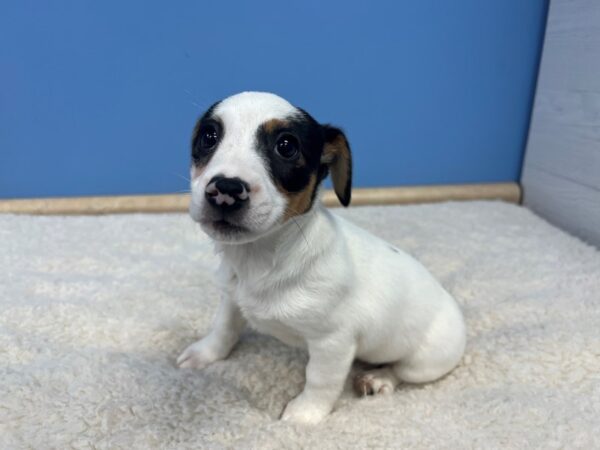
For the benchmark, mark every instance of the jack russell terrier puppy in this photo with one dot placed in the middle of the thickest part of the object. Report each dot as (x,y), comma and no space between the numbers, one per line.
(293,270)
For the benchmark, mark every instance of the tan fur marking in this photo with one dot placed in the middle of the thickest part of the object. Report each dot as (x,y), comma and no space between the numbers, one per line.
(271,125)
(299,202)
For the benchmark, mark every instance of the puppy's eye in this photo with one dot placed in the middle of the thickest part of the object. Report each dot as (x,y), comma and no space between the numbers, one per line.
(209,136)
(287,146)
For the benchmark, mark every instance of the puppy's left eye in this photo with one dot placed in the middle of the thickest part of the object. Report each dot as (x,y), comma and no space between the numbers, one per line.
(287,146)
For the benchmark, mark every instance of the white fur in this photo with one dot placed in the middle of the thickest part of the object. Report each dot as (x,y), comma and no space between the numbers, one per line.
(332,288)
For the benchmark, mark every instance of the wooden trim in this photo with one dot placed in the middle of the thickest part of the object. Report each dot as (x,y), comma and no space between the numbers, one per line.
(509,192)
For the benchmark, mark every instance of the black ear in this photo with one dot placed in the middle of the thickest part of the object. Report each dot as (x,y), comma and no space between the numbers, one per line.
(337,157)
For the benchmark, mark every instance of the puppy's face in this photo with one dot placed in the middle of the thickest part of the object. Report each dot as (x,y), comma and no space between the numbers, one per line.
(257,161)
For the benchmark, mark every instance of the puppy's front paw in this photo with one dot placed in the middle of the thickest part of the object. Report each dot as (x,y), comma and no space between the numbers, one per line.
(303,411)
(197,356)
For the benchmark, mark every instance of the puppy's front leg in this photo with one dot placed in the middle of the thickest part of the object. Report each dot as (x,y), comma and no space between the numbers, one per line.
(225,332)
(328,367)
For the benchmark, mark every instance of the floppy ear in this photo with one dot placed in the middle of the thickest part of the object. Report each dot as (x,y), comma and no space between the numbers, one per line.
(336,156)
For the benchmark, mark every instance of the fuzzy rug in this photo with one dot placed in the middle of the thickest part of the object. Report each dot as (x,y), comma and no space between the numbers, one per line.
(94,311)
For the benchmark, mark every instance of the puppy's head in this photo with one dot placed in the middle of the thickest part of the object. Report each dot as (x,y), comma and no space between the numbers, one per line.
(257,161)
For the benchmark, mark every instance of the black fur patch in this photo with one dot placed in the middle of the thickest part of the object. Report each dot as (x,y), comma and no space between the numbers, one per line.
(201,157)
(293,175)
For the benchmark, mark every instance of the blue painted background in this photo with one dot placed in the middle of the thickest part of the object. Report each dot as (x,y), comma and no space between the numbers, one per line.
(100,97)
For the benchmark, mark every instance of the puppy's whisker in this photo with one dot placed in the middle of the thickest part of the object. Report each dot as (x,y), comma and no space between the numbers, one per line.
(181,176)
(195,101)
(301,231)
(297,224)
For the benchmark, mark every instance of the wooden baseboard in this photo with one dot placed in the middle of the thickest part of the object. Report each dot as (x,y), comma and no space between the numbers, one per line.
(509,192)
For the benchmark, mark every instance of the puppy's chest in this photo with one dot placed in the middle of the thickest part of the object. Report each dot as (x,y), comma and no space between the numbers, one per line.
(278,330)
(278,313)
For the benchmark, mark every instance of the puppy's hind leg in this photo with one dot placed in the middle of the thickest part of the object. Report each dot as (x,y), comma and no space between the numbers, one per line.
(419,370)
(422,367)
(385,379)
(435,357)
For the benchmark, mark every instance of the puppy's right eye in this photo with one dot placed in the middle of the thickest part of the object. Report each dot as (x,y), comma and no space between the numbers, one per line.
(287,146)
(209,136)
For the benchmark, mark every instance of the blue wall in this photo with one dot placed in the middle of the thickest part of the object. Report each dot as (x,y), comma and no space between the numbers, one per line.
(100,97)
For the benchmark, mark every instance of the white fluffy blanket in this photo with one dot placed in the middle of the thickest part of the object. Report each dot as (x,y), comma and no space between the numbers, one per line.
(94,310)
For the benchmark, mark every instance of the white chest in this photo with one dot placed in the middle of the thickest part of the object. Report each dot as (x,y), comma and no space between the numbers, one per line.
(278,330)
(268,311)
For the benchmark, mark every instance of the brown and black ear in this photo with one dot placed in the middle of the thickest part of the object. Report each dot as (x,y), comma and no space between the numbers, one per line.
(337,157)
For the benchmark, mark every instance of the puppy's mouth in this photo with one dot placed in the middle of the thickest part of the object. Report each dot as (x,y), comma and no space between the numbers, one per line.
(240,226)
(224,226)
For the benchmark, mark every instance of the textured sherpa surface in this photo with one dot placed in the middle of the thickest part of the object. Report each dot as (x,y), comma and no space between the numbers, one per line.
(94,311)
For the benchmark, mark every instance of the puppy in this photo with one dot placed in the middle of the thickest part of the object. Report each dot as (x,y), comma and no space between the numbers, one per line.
(293,270)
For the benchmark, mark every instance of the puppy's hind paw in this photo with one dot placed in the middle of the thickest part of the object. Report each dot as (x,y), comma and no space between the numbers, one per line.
(375,382)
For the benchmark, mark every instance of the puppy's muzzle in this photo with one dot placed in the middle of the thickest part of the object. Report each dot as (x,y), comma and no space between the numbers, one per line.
(227,194)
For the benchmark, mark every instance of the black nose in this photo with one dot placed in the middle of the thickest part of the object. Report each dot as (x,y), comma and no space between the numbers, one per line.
(227,193)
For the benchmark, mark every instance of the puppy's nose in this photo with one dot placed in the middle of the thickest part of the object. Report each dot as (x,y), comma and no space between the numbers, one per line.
(227,193)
